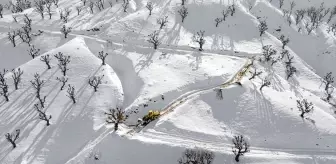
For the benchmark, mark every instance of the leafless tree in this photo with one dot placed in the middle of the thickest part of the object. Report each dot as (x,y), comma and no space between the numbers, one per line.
(91,4)
(328,80)
(11,37)
(199,38)
(162,21)
(111,3)
(304,107)
(283,53)
(65,30)
(1,10)
(284,41)
(281,2)
(299,14)
(25,34)
(42,114)
(95,82)
(48,6)
(262,27)
(64,15)
(250,5)
(33,52)
(116,116)
(37,84)
(102,56)
(225,13)
(79,9)
(12,138)
(154,39)
(99,4)
(265,83)
(63,80)
(309,27)
(39,5)
(71,93)
(290,70)
(332,14)
(4,85)
(183,13)
(255,73)
(27,21)
(46,59)
(15,18)
(16,75)
(292,5)
(232,9)
(183,2)
(63,62)
(241,146)
(55,2)
(197,156)
(218,20)
(150,7)
(268,53)
(125,5)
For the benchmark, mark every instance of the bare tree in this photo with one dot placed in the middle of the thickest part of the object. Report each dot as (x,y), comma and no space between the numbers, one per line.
(91,4)
(150,7)
(116,116)
(37,84)
(241,146)
(218,20)
(46,59)
(292,5)
(250,5)
(197,156)
(16,75)
(65,30)
(162,21)
(1,11)
(15,18)
(11,37)
(71,93)
(284,41)
(328,80)
(255,73)
(304,107)
(110,3)
(4,85)
(332,14)
(95,82)
(42,114)
(183,13)
(225,13)
(268,53)
(290,70)
(63,62)
(154,39)
(48,6)
(79,9)
(12,138)
(39,5)
(232,9)
(64,15)
(55,2)
(33,52)
(265,83)
(281,2)
(102,56)
(125,5)
(299,14)
(63,80)
(199,38)
(262,27)
(99,4)
(283,53)
(183,2)
(25,34)
(27,21)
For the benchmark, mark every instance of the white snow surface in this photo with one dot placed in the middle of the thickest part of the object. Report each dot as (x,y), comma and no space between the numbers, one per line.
(135,75)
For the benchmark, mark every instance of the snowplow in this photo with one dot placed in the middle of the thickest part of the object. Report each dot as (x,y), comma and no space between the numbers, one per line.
(151,116)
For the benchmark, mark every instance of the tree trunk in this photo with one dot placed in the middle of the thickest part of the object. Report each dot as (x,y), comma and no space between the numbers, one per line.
(237,157)
(116,126)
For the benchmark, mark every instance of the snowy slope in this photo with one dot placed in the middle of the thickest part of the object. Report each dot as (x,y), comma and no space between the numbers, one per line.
(176,79)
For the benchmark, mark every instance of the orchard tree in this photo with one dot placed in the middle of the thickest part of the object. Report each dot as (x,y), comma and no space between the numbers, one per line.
(284,41)
(13,137)
(150,7)
(46,59)
(65,30)
(299,15)
(199,38)
(328,80)
(16,76)
(42,114)
(102,56)
(116,116)
(154,39)
(268,53)
(183,13)
(125,5)
(218,20)
(95,82)
(196,156)
(183,2)
(33,52)
(4,85)
(162,21)
(48,5)
(304,107)
(265,83)
(1,10)
(255,73)
(39,6)
(71,93)
(241,146)
(63,80)
(262,27)
(37,83)
(11,37)
(63,62)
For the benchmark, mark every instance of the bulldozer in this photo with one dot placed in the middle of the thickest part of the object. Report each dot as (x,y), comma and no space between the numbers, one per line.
(152,115)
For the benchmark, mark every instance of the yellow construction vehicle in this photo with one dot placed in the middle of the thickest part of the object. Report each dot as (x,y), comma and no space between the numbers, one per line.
(152,115)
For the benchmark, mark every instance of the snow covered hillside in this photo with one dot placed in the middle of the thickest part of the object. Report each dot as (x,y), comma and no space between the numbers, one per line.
(139,81)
